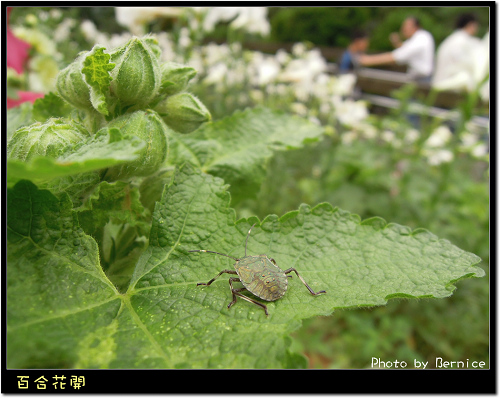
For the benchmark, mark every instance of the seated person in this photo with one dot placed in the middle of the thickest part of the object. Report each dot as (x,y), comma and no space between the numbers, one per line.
(417,52)
(359,44)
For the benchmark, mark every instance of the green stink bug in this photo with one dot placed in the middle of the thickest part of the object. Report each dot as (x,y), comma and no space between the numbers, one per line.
(259,275)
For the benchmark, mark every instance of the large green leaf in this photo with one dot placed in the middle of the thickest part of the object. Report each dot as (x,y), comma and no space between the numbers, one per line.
(62,310)
(238,147)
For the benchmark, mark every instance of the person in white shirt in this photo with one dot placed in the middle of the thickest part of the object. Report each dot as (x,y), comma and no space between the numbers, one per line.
(417,51)
(461,59)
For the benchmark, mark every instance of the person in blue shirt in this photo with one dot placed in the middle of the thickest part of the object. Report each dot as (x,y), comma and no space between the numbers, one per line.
(359,44)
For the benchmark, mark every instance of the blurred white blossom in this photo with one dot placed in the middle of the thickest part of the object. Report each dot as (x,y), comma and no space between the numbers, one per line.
(344,84)
(480,150)
(438,156)
(350,112)
(282,57)
(267,71)
(304,69)
(367,130)
(216,73)
(299,49)
(55,13)
(439,137)
(62,32)
(388,135)
(135,18)
(184,39)
(214,15)
(468,139)
(411,135)
(251,19)
(299,108)
(348,137)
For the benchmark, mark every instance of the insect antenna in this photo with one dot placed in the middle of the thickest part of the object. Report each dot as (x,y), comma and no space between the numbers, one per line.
(247,238)
(208,251)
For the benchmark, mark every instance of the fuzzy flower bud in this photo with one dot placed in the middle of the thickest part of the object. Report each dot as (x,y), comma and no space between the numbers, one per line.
(183,112)
(148,126)
(71,85)
(45,139)
(136,77)
(175,77)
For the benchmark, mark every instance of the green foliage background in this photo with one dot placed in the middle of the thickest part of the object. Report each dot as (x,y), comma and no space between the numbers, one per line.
(332,26)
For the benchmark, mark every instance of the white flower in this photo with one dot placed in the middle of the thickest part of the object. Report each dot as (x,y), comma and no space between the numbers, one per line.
(349,112)
(168,54)
(348,137)
(439,137)
(134,18)
(216,73)
(325,108)
(411,136)
(214,15)
(343,85)
(44,16)
(253,20)
(63,30)
(304,70)
(367,130)
(321,87)
(315,62)
(282,56)
(184,39)
(267,71)
(55,13)
(299,108)
(89,30)
(295,71)
(388,135)
(468,140)
(438,156)
(480,150)
(213,53)
(298,49)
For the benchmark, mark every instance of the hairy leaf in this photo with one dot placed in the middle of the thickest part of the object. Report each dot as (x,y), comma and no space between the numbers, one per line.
(51,105)
(96,68)
(238,147)
(60,303)
(105,149)
(18,117)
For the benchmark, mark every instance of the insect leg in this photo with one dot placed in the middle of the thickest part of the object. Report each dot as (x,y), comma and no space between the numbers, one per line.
(304,282)
(226,271)
(236,292)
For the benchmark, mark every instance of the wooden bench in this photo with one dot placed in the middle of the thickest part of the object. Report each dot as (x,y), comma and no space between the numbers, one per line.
(377,85)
